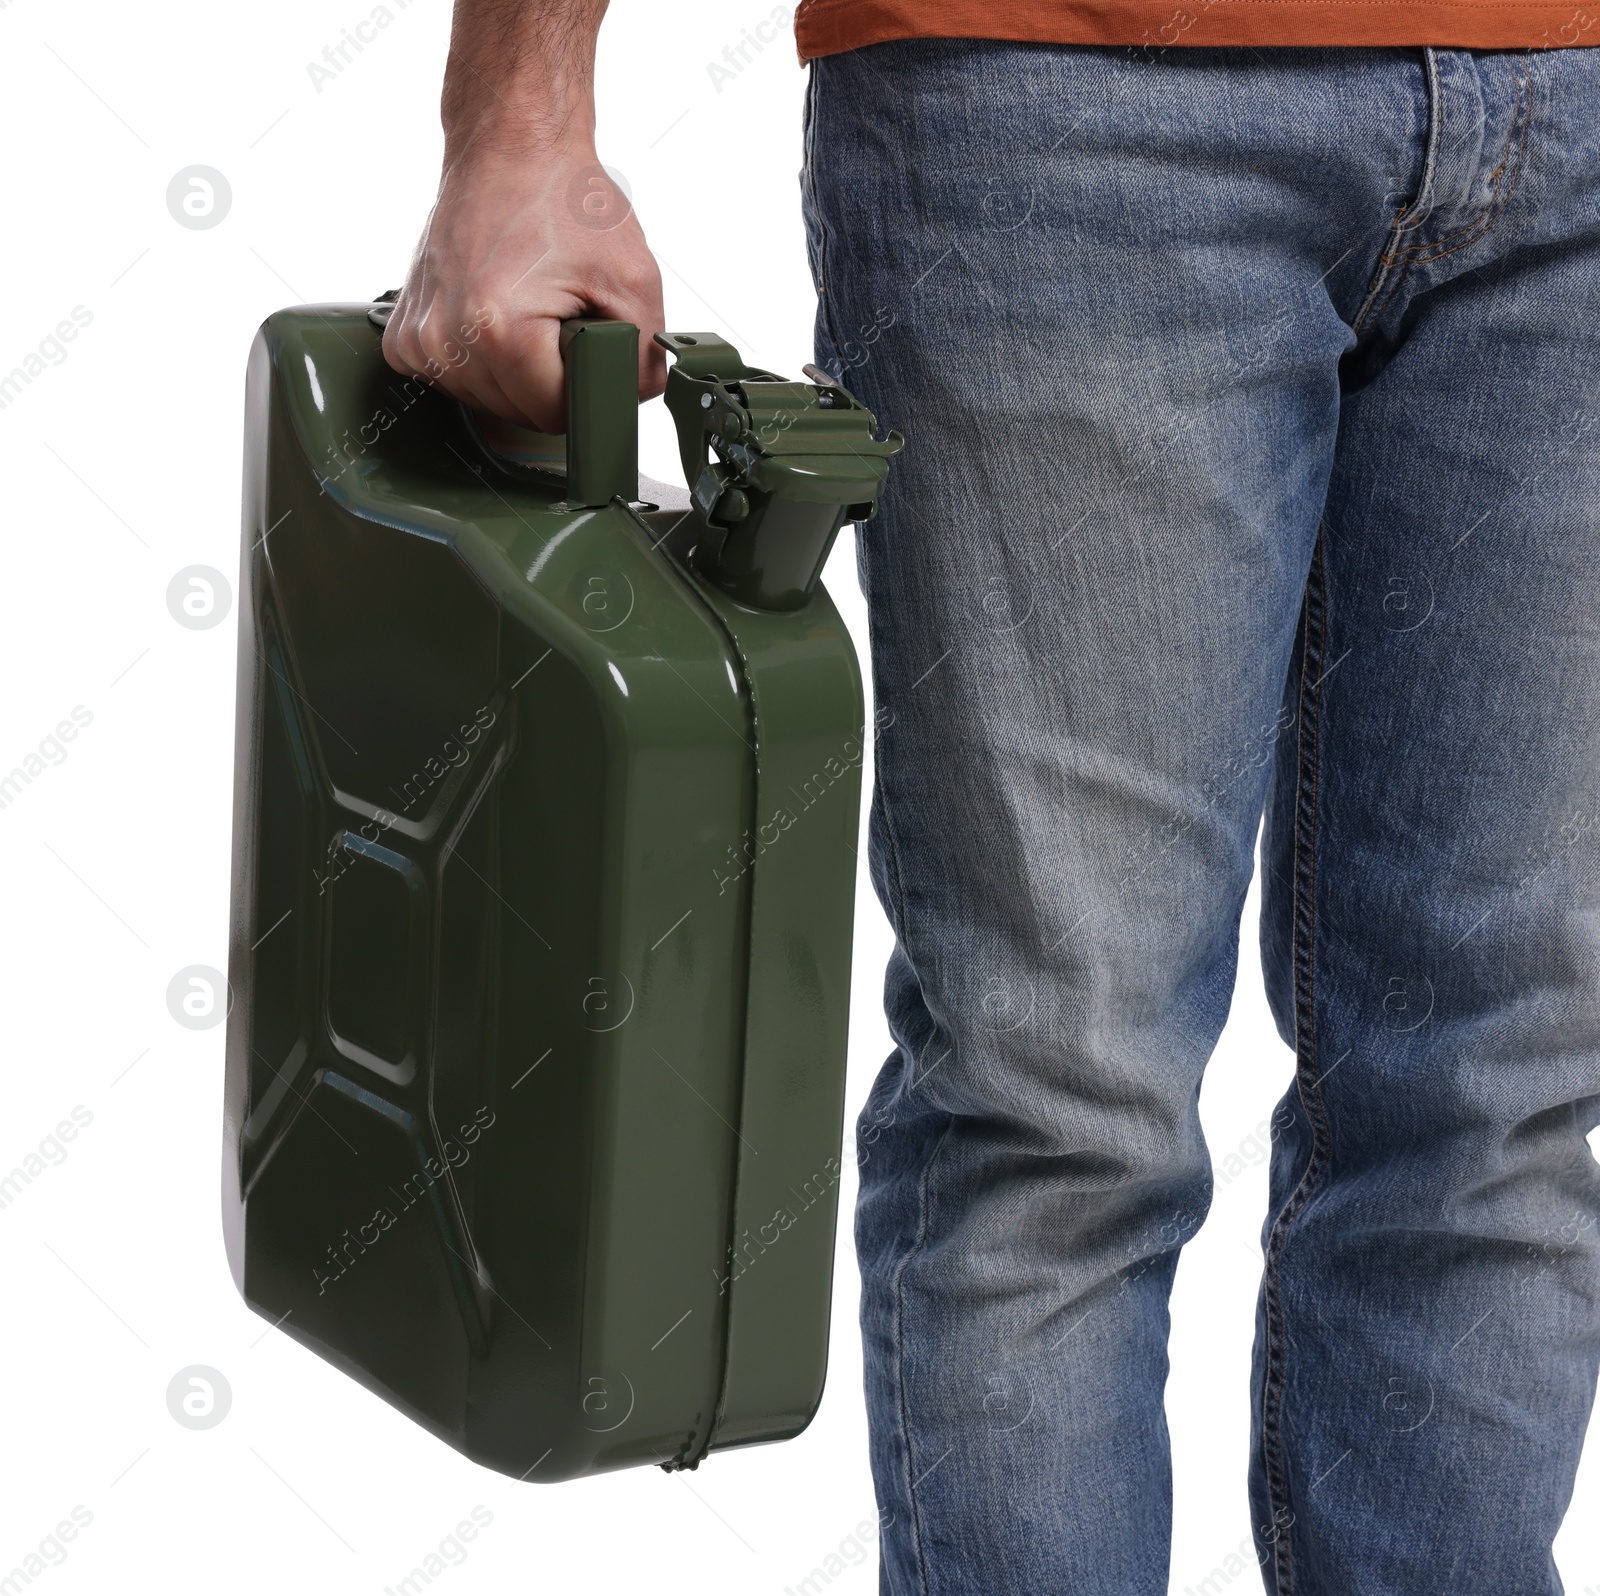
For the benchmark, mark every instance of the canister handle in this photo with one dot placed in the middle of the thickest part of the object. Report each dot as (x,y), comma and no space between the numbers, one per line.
(602,367)
(602,361)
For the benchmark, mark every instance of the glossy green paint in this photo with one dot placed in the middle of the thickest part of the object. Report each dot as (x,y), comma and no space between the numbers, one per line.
(540,948)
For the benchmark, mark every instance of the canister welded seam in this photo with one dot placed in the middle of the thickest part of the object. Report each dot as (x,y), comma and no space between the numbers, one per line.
(700,1444)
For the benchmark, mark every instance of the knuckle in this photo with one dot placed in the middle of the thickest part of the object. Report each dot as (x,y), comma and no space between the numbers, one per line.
(440,351)
(402,350)
(640,277)
(394,350)
(493,338)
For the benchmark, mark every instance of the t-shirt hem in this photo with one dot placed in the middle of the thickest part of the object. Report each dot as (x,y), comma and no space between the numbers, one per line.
(827,27)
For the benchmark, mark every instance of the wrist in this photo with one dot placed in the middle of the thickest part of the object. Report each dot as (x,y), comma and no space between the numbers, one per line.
(507,130)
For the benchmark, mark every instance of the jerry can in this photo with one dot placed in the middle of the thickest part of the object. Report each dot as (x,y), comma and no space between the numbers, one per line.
(546,795)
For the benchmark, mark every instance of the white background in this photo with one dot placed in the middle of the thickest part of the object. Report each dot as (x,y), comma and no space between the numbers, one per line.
(121,467)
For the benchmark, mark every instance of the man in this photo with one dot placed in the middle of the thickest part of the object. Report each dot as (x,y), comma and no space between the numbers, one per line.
(1249,351)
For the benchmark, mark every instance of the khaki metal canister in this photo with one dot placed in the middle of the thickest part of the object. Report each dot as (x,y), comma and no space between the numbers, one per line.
(546,805)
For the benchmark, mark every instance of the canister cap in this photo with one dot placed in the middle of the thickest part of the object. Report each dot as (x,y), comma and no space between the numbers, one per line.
(752,442)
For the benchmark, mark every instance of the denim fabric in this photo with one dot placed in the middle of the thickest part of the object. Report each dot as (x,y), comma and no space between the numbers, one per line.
(1253,401)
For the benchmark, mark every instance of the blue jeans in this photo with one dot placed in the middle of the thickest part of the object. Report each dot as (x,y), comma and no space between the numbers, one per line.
(1253,401)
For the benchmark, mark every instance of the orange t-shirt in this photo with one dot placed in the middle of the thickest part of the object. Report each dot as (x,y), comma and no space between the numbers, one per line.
(824,27)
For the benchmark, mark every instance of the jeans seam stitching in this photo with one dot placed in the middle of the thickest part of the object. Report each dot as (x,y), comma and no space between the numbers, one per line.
(812,94)
(1485,221)
(879,784)
(1516,140)
(1479,226)
(900,1351)
(1412,215)
(1303,962)
(919,1551)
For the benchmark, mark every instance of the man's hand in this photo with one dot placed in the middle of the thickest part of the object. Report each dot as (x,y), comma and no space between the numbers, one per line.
(528,229)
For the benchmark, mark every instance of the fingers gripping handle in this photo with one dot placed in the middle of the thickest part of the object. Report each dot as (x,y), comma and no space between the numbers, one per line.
(602,373)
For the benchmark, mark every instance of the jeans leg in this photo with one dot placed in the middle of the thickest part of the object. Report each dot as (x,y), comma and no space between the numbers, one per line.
(1430,1321)
(1104,295)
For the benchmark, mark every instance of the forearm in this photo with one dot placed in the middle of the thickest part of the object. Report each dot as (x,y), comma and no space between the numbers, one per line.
(515,243)
(520,77)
